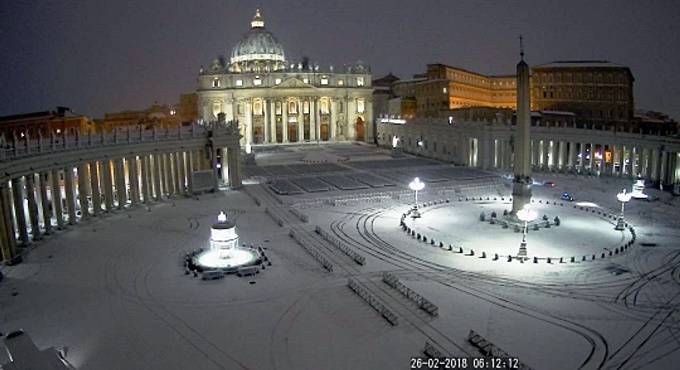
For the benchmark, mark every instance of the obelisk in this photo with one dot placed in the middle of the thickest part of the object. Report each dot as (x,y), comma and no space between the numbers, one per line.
(521,184)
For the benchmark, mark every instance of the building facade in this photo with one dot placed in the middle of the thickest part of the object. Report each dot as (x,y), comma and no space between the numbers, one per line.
(277,101)
(597,92)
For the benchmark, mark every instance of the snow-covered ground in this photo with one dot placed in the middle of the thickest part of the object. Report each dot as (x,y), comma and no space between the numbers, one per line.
(113,291)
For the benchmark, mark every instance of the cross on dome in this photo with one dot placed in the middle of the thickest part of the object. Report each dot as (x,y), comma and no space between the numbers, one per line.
(258,21)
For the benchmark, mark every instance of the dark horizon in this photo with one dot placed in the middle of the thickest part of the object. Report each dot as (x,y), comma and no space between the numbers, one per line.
(98,56)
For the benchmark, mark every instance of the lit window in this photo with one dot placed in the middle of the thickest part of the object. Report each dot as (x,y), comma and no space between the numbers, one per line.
(360,105)
(305,107)
(292,107)
(444,90)
(216,82)
(257,81)
(341,82)
(324,106)
(257,107)
(278,108)
(360,81)
(305,80)
(277,81)
(239,82)
(324,80)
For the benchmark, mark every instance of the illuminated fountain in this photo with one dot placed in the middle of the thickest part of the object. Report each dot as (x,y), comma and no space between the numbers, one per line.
(224,252)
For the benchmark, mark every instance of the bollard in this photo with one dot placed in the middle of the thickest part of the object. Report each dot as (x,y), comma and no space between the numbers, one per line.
(495,257)
(483,255)
(602,254)
(573,259)
(616,251)
(535,259)
(418,236)
(610,253)
(509,258)
(441,244)
(561,260)
(549,260)
(472,252)
(584,258)
(460,250)
(431,241)
(450,247)
(424,239)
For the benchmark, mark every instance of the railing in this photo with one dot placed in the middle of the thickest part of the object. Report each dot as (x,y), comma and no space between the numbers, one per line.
(30,146)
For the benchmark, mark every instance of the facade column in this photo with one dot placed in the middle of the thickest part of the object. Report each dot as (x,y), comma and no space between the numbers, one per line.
(56,200)
(332,118)
(561,162)
(94,185)
(582,162)
(133,180)
(190,172)
(368,121)
(272,119)
(82,191)
(249,121)
(312,120)
(167,175)
(32,206)
(284,123)
(108,184)
(144,161)
(350,105)
(7,236)
(634,151)
(591,163)
(157,170)
(19,212)
(265,121)
(546,154)
(317,118)
(69,190)
(301,121)
(44,202)
(571,155)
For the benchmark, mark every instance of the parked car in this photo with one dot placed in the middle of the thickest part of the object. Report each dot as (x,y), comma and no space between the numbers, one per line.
(567,196)
(550,184)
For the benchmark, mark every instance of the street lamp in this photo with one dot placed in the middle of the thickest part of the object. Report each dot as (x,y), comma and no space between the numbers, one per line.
(525,214)
(416,185)
(624,198)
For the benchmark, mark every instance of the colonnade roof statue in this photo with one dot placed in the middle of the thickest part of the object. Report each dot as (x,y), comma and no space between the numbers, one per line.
(521,189)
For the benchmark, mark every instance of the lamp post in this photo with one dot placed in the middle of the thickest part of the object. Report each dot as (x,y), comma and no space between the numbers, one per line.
(416,185)
(624,198)
(525,214)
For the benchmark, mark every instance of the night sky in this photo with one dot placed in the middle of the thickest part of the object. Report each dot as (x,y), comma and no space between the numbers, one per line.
(99,56)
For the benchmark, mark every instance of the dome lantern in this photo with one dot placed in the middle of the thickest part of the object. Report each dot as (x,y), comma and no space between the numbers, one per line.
(258,21)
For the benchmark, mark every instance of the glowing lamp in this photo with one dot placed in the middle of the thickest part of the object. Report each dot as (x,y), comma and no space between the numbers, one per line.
(624,198)
(416,185)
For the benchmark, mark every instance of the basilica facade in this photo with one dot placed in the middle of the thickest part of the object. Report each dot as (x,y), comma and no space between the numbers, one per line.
(275,100)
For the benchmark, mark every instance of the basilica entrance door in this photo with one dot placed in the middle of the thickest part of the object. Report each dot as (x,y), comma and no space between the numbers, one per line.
(324,131)
(279,133)
(360,129)
(258,135)
(292,133)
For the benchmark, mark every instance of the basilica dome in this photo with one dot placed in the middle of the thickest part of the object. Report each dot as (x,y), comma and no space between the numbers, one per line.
(258,50)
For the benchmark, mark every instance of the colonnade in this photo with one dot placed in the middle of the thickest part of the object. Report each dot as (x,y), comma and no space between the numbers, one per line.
(35,204)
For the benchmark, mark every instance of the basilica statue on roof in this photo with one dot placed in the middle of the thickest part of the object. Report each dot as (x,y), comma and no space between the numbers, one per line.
(276,100)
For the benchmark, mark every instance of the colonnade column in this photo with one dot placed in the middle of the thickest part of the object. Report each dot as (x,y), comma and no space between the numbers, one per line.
(571,155)
(144,161)
(108,184)
(19,213)
(56,200)
(44,202)
(546,155)
(7,238)
(119,173)
(32,206)
(158,191)
(70,194)
(317,118)
(622,164)
(82,191)
(181,172)
(591,163)
(190,171)
(633,161)
(582,150)
(94,185)
(167,175)
(133,180)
